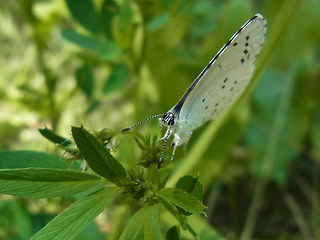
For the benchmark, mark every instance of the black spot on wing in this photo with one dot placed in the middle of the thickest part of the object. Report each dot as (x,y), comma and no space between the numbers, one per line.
(224,81)
(247,38)
(203,100)
(246,44)
(242,60)
(235,44)
(245,51)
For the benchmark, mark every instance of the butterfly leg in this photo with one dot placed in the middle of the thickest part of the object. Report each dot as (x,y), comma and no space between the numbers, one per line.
(165,138)
(173,152)
(175,143)
(166,135)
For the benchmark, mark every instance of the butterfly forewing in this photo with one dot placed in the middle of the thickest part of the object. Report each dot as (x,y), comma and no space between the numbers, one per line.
(225,77)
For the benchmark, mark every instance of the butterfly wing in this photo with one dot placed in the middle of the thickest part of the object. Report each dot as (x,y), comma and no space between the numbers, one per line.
(224,78)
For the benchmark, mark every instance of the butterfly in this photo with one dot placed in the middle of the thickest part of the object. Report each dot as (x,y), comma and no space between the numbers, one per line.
(217,87)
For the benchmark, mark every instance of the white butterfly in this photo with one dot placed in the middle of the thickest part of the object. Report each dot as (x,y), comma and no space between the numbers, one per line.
(219,84)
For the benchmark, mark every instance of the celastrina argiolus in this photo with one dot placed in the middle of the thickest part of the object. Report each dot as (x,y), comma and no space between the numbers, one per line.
(219,84)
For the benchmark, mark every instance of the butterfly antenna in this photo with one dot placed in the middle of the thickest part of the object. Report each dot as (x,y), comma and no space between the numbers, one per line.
(127,129)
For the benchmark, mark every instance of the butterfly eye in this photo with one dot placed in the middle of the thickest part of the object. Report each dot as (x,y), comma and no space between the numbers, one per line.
(168,118)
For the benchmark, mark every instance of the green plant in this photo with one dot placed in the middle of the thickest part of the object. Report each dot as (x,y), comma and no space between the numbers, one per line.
(107,184)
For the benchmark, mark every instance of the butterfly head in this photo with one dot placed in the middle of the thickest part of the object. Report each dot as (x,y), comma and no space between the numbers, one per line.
(168,119)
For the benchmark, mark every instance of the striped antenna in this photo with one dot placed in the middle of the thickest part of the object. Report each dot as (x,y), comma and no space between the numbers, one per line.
(127,129)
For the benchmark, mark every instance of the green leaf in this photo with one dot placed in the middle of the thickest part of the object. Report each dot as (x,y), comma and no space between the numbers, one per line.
(145,224)
(84,78)
(106,50)
(55,138)
(45,183)
(190,185)
(117,78)
(158,21)
(93,106)
(81,40)
(97,156)
(108,10)
(76,217)
(182,199)
(24,159)
(173,233)
(85,14)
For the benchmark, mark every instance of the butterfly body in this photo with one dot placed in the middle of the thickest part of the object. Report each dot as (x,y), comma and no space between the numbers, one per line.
(176,126)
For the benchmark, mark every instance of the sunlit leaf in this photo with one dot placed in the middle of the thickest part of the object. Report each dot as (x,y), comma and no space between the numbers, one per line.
(44,183)
(76,217)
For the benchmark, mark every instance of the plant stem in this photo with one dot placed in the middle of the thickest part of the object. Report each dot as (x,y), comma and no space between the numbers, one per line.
(298,217)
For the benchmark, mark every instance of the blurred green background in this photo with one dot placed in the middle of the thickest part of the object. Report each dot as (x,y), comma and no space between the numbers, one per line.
(109,64)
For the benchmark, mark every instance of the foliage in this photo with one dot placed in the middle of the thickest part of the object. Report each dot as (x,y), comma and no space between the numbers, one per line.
(50,182)
(111,63)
